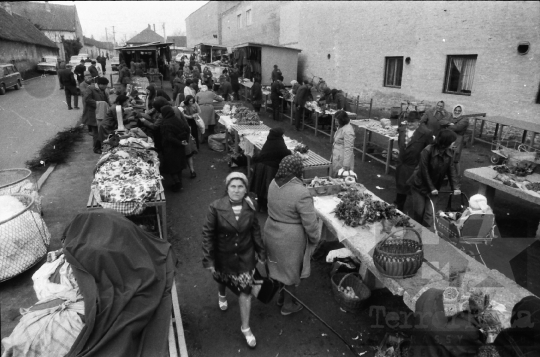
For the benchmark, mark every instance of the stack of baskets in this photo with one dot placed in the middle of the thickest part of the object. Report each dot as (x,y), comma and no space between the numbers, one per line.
(400,255)
(24,237)
(354,282)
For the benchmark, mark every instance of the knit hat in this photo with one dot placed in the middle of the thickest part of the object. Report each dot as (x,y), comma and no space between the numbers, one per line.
(478,202)
(236,175)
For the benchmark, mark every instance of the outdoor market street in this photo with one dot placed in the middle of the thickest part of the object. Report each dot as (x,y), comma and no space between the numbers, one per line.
(30,116)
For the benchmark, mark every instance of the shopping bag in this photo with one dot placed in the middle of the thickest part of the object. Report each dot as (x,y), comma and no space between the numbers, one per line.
(268,286)
(200,123)
(191,147)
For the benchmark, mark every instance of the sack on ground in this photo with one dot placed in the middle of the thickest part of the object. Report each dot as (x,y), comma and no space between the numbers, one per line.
(216,142)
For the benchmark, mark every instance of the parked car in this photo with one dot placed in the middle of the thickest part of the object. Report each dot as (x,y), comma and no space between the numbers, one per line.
(75,60)
(115,62)
(48,64)
(9,77)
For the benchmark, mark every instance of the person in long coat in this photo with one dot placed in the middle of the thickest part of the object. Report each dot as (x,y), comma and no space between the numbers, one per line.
(412,139)
(233,75)
(291,231)
(343,147)
(436,162)
(191,108)
(435,117)
(256,95)
(275,93)
(174,138)
(458,124)
(266,164)
(232,245)
(94,94)
(205,98)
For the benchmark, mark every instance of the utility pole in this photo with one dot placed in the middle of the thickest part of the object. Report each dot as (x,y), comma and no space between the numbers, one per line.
(164,36)
(106,35)
(113,36)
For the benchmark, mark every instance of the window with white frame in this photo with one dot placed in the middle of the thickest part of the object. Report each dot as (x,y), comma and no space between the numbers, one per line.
(393,72)
(239,21)
(459,74)
(248,17)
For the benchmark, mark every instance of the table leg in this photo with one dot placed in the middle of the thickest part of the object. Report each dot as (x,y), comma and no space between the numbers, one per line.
(473,131)
(164,221)
(316,122)
(488,192)
(332,129)
(364,144)
(389,155)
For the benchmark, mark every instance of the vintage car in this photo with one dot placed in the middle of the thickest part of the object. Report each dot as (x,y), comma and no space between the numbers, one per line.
(48,64)
(75,60)
(115,62)
(9,77)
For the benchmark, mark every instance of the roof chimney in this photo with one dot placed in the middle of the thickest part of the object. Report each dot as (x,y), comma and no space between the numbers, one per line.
(154,27)
(47,6)
(149,27)
(7,7)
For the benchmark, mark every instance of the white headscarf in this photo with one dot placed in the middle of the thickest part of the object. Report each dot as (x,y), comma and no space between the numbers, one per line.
(293,82)
(204,88)
(462,111)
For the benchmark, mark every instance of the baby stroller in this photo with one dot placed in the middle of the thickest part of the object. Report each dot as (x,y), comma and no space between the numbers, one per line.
(477,228)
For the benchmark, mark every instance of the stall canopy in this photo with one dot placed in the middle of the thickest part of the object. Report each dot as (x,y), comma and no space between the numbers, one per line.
(210,53)
(154,54)
(257,60)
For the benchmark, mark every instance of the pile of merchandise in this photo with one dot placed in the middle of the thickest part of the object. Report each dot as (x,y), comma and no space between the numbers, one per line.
(244,116)
(127,176)
(358,209)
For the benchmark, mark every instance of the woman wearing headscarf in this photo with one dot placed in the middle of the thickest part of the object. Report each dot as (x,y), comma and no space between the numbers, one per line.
(343,147)
(174,138)
(436,162)
(458,124)
(191,109)
(188,89)
(256,95)
(291,231)
(232,245)
(153,120)
(207,75)
(110,123)
(205,98)
(266,164)
(150,96)
(295,85)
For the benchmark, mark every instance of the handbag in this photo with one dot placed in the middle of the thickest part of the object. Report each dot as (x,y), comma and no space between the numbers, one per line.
(191,147)
(200,123)
(268,286)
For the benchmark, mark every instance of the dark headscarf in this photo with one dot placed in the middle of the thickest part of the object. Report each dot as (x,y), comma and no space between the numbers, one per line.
(161,93)
(290,167)
(152,91)
(274,149)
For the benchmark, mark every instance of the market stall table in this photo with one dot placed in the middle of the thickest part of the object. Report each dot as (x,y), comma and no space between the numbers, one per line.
(368,131)
(265,93)
(234,129)
(245,93)
(444,265)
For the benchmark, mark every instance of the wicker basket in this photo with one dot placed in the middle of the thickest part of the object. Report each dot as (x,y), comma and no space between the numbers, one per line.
(355,282)
(24,239)
(11,177)
(399,255)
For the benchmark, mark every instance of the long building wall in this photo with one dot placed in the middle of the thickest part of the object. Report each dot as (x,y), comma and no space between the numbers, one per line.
(202,25)
(26,56)
(346,42)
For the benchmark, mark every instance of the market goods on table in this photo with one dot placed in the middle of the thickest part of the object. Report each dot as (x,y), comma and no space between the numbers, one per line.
(244,116)
(321,186)
(533,186)
(302,150)
(358,208)
(522,168)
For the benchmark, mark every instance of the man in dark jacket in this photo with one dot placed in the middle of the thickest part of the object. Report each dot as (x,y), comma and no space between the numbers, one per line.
(412,139)
(226,89)
(340,100)
(302,96)
(93,70)
(79,71)
(276,73)
(234,83)
(94,94)
(434,117)
(275,93)
(103,63)
(67,80)
(178,89)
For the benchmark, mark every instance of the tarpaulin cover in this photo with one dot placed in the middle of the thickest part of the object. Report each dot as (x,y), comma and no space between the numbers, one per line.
(125,275)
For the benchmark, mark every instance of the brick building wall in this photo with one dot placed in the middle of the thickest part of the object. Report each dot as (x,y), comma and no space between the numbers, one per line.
(264,26)
(505,82)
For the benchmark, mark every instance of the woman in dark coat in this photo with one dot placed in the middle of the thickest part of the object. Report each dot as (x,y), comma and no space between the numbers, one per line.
(235,83)
(110,123)
(412,139)
(232,245)
(266,164)
(174,138)
(256,95)
(436,162)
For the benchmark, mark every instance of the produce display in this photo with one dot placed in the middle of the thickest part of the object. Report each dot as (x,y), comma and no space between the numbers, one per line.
(286,94)
(325,181)
(244,116)
(522,169)
(533,186)
(377,128)
(358,208)
(349,292)
(507,180)
(301,148)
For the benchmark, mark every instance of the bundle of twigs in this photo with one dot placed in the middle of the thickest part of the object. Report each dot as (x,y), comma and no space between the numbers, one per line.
(57,149)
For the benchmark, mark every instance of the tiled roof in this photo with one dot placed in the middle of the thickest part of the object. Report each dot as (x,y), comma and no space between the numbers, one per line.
(17,29)
(60,18)
(146,36)
(179,41)
(98,44)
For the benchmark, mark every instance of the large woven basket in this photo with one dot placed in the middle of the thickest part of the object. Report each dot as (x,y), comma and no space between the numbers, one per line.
(353,280)
(11,177)
(24,239)
(399,255)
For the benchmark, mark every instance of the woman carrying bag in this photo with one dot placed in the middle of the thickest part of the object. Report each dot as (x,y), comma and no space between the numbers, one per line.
(191,113)
(232,245)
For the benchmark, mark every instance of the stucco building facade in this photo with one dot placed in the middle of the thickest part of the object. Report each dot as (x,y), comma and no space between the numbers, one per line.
(483,55)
